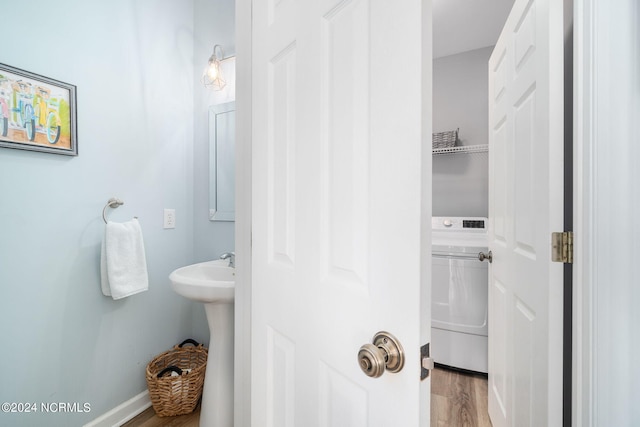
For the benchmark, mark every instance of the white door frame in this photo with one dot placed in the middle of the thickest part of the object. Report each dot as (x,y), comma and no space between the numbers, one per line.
(242,365)
(606,202)
(582,381)
(605,45)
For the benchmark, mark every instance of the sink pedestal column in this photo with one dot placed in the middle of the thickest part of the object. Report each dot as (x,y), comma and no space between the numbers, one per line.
(217,396)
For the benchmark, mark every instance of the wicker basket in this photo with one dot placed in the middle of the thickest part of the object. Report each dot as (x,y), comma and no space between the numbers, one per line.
(175,379)
(445,139)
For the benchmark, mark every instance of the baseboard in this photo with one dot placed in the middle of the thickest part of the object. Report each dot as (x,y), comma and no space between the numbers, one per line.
(123,412)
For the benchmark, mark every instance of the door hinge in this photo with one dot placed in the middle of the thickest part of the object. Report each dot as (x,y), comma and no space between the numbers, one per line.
(562,247)
(426,362)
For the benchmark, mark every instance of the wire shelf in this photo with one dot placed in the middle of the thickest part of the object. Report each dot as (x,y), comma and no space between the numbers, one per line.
(465,149)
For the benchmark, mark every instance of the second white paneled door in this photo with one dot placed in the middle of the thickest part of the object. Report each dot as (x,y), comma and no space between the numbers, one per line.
(525,206)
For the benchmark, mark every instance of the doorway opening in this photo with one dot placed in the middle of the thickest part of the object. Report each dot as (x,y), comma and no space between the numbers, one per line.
(460,203)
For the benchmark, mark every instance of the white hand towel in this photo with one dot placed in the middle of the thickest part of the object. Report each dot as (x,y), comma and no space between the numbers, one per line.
(123,265)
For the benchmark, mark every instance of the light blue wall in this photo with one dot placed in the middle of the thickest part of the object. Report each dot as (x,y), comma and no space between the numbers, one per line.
(214,24)
(133,65)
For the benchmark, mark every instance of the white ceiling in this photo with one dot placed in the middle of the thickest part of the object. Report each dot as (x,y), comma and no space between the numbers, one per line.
(462,25)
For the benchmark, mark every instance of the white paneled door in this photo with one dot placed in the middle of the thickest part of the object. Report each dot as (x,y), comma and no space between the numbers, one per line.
(525,206)
(336,209)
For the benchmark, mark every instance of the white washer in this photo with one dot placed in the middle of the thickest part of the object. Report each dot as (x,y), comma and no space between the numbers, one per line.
(459,293)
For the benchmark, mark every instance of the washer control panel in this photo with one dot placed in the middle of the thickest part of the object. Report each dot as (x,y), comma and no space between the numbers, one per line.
(471,224)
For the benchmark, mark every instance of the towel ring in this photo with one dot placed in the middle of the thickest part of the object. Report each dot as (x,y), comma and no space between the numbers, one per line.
(112,203)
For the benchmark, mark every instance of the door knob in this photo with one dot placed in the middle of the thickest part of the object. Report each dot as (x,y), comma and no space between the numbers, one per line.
(482,256)
(385,353)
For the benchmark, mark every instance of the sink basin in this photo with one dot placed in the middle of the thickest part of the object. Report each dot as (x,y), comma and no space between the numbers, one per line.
(209,282)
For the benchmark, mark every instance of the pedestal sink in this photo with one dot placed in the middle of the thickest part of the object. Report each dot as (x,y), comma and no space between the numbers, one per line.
(213,283)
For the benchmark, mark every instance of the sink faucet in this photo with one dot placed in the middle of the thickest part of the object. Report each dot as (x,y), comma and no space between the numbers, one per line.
(231,256)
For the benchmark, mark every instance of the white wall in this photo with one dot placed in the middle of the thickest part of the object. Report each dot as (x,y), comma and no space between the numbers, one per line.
(133,65)
(460,100)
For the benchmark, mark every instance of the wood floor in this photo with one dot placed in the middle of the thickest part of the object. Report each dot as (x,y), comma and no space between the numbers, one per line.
(457,400)
(149,419)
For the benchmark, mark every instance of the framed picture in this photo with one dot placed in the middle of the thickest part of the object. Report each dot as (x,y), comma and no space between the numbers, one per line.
(37,113)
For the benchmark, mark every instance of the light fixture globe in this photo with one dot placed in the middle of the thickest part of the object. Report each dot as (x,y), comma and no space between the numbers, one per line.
(212,76)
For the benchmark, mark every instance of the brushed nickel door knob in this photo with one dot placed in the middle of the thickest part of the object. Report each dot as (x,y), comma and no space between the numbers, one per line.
(384,354)
(489,257)
(371,360)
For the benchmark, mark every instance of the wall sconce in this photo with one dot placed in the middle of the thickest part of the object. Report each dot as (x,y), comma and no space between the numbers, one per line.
(212,76)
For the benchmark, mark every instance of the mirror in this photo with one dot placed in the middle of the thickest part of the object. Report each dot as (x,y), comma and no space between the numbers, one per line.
(222,159)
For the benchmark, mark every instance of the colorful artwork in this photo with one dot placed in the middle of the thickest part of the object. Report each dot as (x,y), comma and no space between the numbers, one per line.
(36,113)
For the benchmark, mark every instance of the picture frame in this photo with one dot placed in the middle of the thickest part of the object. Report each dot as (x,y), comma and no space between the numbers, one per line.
(37,113)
